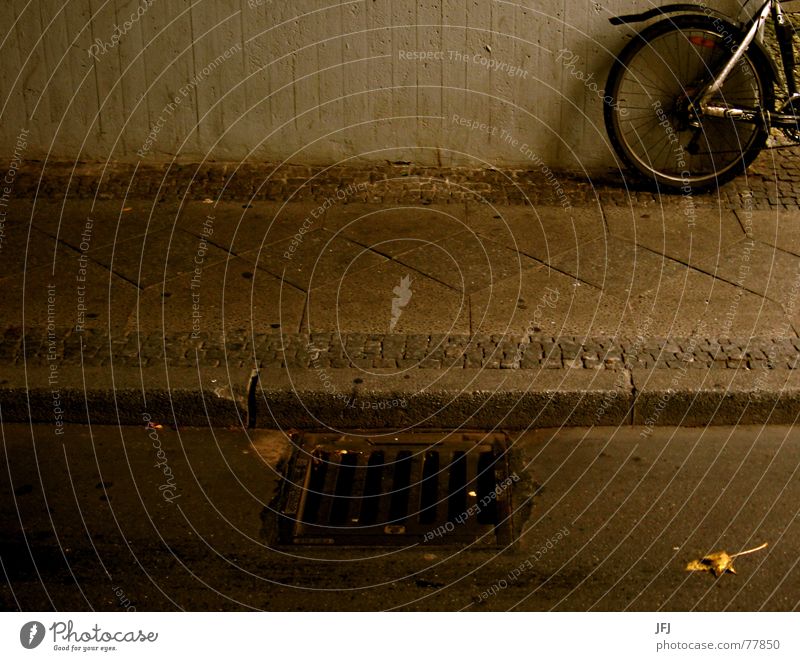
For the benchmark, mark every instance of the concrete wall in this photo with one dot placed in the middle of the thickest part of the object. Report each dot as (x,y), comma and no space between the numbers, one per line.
(309,81)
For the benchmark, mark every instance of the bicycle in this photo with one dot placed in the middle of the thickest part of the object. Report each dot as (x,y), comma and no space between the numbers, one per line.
(690,100)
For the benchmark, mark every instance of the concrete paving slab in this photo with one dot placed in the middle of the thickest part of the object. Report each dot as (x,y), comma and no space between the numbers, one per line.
(618,267)
(102,222)
(318,260)
(760,268)
(778,227)
(393,230)
(241,226)
(547,301)
(361,302)
(537,231)
(151,259)
(341,214)
(24,247)
(691,302)
(75,293)
(466,262)
(229,296)
(16,211)
(686,234)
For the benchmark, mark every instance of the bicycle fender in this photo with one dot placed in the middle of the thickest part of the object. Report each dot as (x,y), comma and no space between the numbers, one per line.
(660,11)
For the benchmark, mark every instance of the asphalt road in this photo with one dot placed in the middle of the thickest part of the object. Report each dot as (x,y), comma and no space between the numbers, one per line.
(97,519)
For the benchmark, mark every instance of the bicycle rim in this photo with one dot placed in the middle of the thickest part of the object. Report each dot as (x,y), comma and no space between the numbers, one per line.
(651,117)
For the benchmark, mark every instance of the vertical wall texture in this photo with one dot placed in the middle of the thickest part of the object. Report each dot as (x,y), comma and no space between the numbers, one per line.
(436,82)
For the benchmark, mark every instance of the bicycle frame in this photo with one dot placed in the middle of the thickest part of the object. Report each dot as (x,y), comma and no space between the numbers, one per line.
(703,104)
(756,24)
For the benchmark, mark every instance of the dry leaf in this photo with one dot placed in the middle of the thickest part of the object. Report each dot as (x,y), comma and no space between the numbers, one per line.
(720,562)
(717,563)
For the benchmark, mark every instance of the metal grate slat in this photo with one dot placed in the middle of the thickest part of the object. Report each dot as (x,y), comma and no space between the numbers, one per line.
(331,462)
(357,493)
(387,492)
(383,494)
(414,492)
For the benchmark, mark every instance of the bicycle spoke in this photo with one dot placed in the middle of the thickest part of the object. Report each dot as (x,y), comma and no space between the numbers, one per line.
(653,85)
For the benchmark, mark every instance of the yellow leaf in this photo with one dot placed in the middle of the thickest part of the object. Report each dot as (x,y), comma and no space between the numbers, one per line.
(717,563)
(720,562)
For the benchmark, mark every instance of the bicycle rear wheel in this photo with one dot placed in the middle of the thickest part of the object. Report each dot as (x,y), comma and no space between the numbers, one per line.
(647,114)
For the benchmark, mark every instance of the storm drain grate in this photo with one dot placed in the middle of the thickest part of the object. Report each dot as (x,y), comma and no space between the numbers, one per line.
(430,488)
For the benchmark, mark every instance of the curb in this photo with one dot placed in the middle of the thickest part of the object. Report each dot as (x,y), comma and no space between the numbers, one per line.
(351,398)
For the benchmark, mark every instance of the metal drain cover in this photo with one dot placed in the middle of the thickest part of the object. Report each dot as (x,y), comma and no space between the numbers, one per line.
(425,487)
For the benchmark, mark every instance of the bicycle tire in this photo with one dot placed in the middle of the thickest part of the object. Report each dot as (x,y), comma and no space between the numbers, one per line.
(653,76)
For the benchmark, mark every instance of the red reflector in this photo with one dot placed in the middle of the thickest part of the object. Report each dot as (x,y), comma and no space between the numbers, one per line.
(703,42)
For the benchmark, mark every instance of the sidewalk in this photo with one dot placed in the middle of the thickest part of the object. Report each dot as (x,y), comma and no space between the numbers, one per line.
(617,298)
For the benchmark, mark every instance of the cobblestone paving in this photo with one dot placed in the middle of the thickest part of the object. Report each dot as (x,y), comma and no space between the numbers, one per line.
(772,181)
(328,350)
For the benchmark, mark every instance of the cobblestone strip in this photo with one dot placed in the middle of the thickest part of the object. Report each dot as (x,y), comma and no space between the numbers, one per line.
(772,181)
(367,351)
